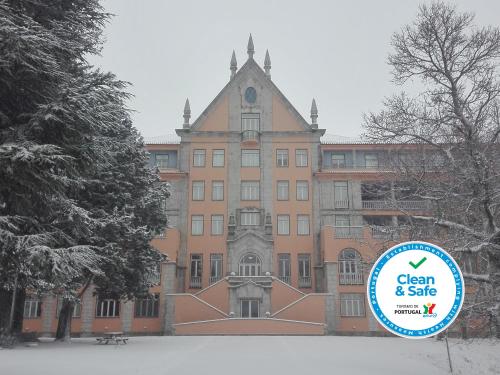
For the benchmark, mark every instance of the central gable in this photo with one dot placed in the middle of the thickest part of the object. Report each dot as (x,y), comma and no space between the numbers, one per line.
(216,117)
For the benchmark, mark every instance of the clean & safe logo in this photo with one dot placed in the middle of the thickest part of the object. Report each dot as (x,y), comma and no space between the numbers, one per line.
(415,289)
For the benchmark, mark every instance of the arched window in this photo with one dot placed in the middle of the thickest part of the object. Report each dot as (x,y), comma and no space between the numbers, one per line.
(250,265)
(350,267)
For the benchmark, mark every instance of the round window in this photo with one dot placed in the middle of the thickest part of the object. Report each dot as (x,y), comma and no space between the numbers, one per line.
(250,95)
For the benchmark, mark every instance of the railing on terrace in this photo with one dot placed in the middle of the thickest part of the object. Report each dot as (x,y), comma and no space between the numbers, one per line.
(195,282)
(350,278)
(349,232)
(305,281)
(398,205)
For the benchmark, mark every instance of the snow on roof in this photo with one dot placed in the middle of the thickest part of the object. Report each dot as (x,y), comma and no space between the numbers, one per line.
(169,139)
(334,139)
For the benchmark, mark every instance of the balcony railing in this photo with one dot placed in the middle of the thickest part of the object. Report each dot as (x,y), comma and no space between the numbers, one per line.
(399,205)
(195,282)
(285,279)
(349,232)
(357,167)
(351,278)
(385,232)
(305,281)
(214,279)
(343,203)
(250,136)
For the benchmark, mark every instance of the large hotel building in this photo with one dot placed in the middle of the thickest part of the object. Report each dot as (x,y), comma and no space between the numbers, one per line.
(273,226)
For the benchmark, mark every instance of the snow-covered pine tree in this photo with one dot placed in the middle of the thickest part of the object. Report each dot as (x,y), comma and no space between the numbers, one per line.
(61,123)
(451,131)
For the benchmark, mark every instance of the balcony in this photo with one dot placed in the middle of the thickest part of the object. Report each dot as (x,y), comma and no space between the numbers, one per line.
(350,278)
(348,232)
(380,232)
(344,203)
(250,136)
(399,205)
(305,282)
(195,282)
(214,279)
(285,279)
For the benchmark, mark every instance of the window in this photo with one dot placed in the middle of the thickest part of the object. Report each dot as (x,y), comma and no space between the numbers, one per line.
(284,225)
(282,158)
(32,307)
(198,190)
(284,267)
(352,304)
(147,307)
(304,271)
(250,190)
(217,190)
(371,161)
(250,121)
(217,158)
(282,187)
(250,158)
(303,225)
(215,267)
(338,160)
(77,308)
(217,225)
(196,270)
(162,160)
(350,267)
(198,158)
(249,308)
(197,225)
(302,190)
(107,308)
(341,194)
(250,265)
(250,218)
(301,158)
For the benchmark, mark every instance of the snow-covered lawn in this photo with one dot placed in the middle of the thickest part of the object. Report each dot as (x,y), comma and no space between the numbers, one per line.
(253,355)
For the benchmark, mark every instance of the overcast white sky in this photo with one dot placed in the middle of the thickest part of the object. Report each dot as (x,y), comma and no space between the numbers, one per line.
(334,51)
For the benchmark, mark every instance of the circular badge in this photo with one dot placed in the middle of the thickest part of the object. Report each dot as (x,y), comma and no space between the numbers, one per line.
(415,289)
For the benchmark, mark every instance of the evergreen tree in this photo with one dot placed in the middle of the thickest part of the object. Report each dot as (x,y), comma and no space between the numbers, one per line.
(76,195)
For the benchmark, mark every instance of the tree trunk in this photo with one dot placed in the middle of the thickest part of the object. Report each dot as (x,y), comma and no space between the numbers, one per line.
(63,332)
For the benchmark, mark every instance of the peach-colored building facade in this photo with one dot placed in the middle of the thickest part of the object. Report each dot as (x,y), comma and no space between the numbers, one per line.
(272,230)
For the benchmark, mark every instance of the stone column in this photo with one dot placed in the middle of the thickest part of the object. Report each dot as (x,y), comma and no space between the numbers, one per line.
(48,314)
(88,311)
(331,275)
(127,314)
(168,290)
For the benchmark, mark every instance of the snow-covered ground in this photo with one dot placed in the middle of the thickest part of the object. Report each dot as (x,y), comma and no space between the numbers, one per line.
(253,355)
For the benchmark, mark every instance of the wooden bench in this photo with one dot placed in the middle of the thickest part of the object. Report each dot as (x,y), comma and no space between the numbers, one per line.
(113,337)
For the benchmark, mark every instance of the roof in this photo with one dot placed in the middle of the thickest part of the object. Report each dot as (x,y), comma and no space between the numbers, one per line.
(333,139)
(169,139)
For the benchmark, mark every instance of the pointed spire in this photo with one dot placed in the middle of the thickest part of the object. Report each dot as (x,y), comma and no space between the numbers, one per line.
(314,115)
(234,65)
(187,114)
(267,64)
(250,49)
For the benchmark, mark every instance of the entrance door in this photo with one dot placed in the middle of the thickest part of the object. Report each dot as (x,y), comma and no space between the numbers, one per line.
(249,308)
